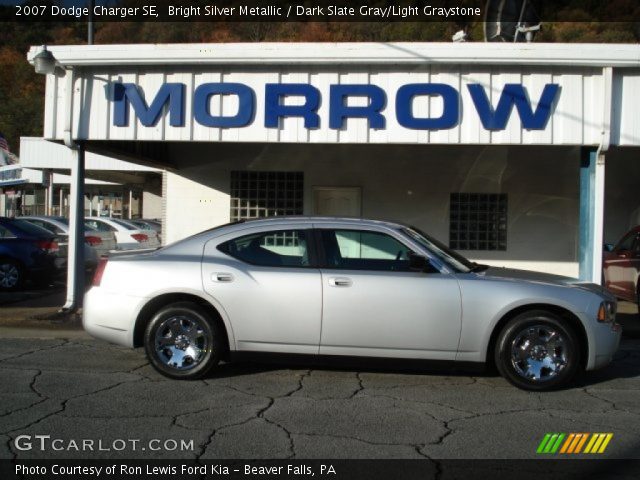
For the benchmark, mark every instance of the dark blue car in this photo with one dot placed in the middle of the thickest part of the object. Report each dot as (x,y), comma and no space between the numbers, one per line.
(27,252)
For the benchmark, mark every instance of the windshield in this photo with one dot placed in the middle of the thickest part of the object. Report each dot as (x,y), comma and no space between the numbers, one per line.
(451,258)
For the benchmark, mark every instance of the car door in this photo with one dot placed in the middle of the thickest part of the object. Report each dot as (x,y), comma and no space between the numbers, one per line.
(622,266)
(374,305)
(268,285)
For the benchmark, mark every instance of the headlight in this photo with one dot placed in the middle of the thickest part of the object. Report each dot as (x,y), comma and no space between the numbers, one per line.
(607,312)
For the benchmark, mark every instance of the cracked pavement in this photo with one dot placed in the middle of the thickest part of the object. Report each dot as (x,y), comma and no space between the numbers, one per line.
(87,389)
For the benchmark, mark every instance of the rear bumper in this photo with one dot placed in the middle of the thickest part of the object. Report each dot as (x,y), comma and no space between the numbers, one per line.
(111,316)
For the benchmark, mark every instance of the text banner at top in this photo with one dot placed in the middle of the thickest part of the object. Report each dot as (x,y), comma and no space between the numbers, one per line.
(461,11)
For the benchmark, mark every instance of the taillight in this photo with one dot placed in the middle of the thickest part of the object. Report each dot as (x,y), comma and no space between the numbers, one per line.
(92,241)
(97,276)
(50,246)
(140,237)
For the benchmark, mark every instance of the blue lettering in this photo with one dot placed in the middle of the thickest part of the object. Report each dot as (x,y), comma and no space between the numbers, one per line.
(338,110)
(514,94)
(128,93)
(450,113)
(274,110)
(201,102)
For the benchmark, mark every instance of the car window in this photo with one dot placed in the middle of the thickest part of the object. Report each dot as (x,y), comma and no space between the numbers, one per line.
(47,226)
(282,248)
(364,250)
(100,226)
(627,241)
(30,229)
(124,224)
(5,233)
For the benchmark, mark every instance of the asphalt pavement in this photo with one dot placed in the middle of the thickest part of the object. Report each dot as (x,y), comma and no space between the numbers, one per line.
(81,391)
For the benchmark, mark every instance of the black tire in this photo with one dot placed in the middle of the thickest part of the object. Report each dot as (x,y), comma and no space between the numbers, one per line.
(12,275)
(175,335)
(531,358)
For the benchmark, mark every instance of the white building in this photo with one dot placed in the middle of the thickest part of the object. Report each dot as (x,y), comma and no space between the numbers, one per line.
(499,150)
(38,185)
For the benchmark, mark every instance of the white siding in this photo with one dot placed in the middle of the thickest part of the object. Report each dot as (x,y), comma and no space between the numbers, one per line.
(576,119)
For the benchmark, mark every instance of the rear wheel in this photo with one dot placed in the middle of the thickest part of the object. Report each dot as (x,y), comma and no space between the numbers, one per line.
(12,274)
(182,341)
(536,351)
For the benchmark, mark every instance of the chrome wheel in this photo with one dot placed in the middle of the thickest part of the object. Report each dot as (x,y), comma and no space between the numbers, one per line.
(181,342)
(9,275)
(539,353)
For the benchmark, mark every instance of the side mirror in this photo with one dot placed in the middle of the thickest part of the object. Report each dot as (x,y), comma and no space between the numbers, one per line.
(419,263)
(608,247)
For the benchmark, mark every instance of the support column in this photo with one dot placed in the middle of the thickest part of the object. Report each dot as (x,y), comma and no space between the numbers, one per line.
(130,202)
(49,193)
(592,170)
(75,261)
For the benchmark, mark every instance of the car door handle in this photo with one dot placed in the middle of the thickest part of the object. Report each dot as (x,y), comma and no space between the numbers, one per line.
(340,282)
(222,277)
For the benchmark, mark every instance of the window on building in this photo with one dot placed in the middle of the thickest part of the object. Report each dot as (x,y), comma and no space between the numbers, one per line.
(478,221)
(266,194)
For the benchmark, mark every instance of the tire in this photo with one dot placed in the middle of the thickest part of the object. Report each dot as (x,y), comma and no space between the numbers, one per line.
(536,351)
(183,341)
(12,275)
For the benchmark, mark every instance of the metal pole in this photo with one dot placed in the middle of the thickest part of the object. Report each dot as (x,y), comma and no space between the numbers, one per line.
(50,194)
(130,202)
(90,23)
(75,265)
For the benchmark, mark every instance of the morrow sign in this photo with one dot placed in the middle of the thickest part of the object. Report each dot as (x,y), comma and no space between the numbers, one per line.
(129,96)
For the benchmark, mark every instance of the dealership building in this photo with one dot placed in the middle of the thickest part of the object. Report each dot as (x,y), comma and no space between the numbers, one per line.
(518,155)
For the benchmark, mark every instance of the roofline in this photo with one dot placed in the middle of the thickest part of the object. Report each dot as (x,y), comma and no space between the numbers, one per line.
(364,53)
(316,218)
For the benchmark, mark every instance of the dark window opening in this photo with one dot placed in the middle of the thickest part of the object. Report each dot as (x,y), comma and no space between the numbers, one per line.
(266,194)
(478,221)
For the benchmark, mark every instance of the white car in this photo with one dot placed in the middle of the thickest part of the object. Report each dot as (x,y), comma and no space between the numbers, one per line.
(128,236)
(346,287)
(97,243)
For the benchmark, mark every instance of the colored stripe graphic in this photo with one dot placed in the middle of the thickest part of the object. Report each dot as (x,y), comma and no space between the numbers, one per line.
(573,443)
(598,442)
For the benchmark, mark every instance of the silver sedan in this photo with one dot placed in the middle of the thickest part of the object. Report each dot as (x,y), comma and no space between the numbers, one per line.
(342,288)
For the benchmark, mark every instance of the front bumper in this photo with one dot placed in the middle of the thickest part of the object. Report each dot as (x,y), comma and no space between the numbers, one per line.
(606,340)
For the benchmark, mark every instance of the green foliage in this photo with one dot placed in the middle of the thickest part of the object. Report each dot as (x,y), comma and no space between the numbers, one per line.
(22,91)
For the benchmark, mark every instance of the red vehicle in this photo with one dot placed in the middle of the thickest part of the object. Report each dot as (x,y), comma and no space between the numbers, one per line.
(622,267)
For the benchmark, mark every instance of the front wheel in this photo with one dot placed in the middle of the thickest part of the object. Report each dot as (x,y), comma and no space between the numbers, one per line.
(536,351)
(182,341)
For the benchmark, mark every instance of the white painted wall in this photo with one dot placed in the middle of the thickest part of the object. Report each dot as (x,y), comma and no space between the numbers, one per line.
(411,184)
(191,207)
(151,205)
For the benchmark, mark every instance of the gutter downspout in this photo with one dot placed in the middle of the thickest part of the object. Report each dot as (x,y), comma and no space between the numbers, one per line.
(75,258)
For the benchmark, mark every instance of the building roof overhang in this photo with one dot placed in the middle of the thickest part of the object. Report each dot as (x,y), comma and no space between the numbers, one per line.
(400,53)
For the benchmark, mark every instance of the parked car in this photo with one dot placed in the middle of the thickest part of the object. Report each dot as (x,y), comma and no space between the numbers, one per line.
(28,253)
(346,287)
(621,267)
(96,243)
(145,224)
(128,236)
